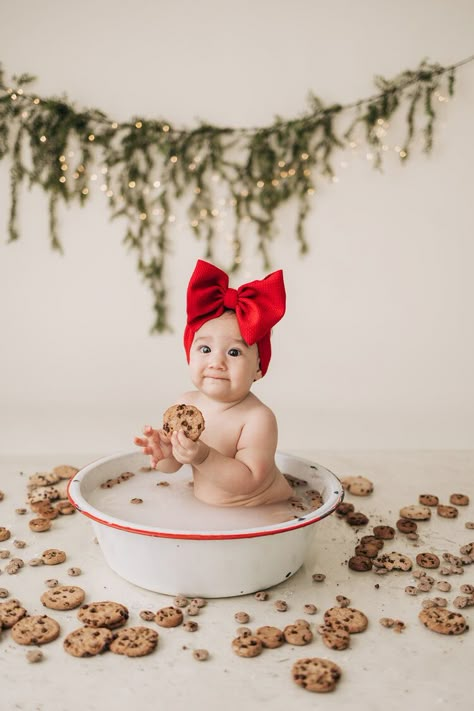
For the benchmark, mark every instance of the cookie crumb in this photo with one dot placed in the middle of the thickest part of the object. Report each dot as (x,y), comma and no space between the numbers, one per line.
(51,583)
(242,617)
(261,595)
(190,626)
(198,602)
(136,500)
(180,601)
(318,577)
(280,605)
(74,572)
(147,615)
(34,656)
(398,626)
(201,655)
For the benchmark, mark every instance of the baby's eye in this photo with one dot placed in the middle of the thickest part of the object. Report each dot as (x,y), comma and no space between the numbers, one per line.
(204,349)
(234,352)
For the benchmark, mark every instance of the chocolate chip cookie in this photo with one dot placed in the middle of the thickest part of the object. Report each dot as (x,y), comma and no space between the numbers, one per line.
(184,417)
(134,641)
(169,617)
(271,637)
(63,597)
(10,612)
(348,617)
(88,641)
(103,614)
(316,674)
(247,646)
(442,620)
(35,629)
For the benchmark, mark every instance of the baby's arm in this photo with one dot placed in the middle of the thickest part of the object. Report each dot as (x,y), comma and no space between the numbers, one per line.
(253,467)
(157,444)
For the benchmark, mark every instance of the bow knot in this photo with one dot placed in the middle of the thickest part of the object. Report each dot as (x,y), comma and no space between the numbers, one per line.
(230,299)
(258,306)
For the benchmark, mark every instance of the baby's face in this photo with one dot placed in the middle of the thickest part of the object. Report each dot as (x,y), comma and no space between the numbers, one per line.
(222,365)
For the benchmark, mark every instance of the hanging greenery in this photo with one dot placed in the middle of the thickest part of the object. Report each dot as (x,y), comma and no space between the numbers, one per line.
(146,166)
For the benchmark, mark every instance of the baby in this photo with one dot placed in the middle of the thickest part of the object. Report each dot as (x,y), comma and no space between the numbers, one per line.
(227,343)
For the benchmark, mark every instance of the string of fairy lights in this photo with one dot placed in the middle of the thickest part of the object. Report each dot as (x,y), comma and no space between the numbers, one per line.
(230,181)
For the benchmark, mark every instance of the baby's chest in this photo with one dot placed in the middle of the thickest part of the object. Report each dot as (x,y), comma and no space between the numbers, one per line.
(222,433)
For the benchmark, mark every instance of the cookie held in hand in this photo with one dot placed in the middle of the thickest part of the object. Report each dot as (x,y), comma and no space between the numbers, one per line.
(184,417)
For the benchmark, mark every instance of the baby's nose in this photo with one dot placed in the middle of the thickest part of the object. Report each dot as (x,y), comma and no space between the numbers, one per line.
(218,360)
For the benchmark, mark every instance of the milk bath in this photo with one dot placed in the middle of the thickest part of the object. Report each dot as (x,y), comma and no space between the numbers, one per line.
(167,501)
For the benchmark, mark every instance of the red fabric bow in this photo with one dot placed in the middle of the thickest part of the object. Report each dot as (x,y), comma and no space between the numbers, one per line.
(258,305)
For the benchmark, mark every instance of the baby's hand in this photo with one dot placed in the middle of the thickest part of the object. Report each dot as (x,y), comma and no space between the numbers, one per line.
(156,443)
(186,451)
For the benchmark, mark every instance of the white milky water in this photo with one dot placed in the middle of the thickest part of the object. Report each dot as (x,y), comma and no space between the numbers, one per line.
(175,506)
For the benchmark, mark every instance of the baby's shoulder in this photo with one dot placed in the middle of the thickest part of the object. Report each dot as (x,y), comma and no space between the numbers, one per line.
(255,408)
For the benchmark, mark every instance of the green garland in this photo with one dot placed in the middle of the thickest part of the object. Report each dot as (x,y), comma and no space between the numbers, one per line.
(147,165)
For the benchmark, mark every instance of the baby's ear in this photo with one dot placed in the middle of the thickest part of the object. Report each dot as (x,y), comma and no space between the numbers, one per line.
(258,374)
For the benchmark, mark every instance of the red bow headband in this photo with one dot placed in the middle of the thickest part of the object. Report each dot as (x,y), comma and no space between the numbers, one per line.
(258,305)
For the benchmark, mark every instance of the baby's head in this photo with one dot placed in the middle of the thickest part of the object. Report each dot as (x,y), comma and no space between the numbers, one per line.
(222,365)
(258,306)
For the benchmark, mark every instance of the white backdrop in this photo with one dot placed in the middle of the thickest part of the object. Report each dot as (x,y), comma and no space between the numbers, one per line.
(377,346)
